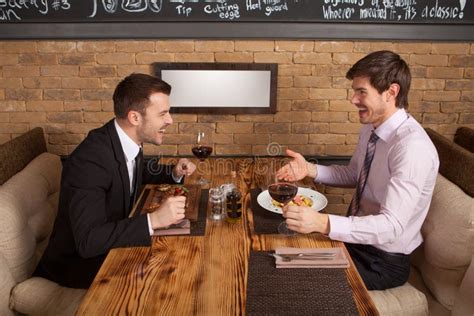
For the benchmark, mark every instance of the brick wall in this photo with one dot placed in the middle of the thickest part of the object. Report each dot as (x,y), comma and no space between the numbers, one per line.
(66,87)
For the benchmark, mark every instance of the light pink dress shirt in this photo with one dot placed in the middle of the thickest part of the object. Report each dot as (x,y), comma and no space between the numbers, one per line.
(399,187)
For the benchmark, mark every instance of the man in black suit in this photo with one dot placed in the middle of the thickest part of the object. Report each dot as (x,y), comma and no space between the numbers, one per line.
(100,181)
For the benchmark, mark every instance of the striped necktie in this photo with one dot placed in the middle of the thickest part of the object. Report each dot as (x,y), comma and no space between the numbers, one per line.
(364,173)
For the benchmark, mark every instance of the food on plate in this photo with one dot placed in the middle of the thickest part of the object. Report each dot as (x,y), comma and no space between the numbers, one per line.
(163,187)
(164,191)
(299,200)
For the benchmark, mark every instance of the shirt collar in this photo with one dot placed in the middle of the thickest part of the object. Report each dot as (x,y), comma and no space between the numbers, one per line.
(387,129)
(130,148)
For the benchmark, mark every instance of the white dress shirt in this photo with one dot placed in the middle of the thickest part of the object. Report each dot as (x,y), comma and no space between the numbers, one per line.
(130,149)
(399,187)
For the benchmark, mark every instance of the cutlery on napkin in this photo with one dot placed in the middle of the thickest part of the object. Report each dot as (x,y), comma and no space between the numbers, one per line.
(286,257)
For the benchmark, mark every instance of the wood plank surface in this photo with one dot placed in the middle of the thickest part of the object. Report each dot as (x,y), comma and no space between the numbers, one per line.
(199,275)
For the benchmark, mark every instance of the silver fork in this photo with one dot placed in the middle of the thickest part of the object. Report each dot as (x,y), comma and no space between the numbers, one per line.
(290,257)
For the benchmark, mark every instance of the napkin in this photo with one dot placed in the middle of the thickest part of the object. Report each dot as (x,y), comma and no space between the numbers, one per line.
(338,261)
(182,228)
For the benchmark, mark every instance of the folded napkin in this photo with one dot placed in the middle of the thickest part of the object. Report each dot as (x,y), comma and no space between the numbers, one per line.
(311,258)
(182,228)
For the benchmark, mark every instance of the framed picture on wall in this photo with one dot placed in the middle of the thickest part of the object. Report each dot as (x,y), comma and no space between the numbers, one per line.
(220,88)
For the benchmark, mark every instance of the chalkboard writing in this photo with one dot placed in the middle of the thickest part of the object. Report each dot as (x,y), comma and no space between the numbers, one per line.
(362,11)
(292,19)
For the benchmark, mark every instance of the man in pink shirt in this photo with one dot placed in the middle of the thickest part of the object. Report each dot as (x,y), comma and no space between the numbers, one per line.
(393,169)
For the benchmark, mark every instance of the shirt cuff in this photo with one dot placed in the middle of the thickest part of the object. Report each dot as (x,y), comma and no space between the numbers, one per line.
(323,173)
(177,180)
(340,226)
(150,229)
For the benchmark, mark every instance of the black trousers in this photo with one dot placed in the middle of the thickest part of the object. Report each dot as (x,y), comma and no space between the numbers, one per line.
(379,270)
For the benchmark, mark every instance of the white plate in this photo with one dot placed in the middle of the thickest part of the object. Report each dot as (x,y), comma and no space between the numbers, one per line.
(319,200)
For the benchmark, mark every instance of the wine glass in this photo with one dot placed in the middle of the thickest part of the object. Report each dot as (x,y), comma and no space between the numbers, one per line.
(202,150)
(282,191)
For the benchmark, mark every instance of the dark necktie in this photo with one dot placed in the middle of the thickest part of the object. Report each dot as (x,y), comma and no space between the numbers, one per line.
(137,177)
(364,173)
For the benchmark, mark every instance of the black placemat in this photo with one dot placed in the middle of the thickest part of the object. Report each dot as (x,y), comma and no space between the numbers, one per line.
(264,222)
(272,291)
(198,228)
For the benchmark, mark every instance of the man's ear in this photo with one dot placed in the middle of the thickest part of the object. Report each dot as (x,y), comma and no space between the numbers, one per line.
(134,118)
(392,91)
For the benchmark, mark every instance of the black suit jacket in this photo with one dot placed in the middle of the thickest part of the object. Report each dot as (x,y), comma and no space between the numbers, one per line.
(93,210)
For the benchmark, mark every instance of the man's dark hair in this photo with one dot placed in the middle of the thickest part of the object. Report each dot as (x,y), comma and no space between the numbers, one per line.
(384,68)
(133,93)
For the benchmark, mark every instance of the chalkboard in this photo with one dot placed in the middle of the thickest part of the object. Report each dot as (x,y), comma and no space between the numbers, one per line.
(380,19)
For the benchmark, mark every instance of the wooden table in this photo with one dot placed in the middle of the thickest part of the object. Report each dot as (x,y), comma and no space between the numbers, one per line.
(199,275)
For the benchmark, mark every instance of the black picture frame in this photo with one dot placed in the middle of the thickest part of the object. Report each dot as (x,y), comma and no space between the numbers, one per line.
(270,109)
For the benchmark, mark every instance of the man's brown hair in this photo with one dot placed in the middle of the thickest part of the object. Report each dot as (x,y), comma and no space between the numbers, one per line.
(384,68)
(133,93)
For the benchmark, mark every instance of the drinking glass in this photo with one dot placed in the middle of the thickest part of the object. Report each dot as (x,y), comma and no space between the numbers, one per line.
(202,150)
(282,191)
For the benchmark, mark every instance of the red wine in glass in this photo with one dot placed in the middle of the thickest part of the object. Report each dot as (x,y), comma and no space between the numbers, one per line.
(282,192)
(202,152)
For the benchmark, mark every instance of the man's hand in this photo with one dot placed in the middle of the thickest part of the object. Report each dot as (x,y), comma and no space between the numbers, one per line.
(297,169)
(184,167)
(305,220)
(170,212)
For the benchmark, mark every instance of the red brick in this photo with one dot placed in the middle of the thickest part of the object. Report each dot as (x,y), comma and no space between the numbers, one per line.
(456,107)
(61,94)
(96,46)
(60,71)
(116,59)
(80,83)
(254,118)
(235,128)
(65,117)
(294,46)
(12,83)
(77,59)
(251,139)
(97,94)
(93,106)
(9,59)
(27,46)
(293,116)
(309,128)
(311,82)
(97,117)
(290,139)
(23,94)
(134,46)
(329,117)
(310,105)
(17,128)
(41,82)
(97,71)
(209,118)
(38,59)
(269,128)
(466,118)
(12,106)
(20,71)
(56,46)
(27,117)
(44,106)
(293,93)
(439,118)
(461,61)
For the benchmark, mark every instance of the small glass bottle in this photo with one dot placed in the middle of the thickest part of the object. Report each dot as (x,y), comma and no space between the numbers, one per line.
(234,201)
(217,203)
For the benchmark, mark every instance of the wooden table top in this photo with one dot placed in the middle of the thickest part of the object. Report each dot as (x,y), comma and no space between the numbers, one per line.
(199,275)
